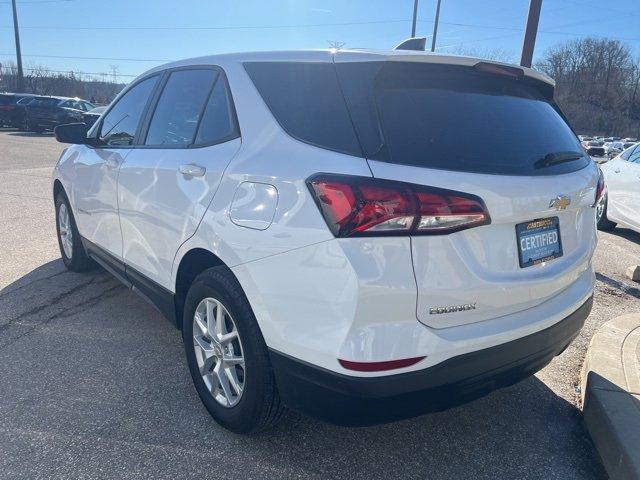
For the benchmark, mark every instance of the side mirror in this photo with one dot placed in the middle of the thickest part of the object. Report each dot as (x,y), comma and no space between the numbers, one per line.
(75,133)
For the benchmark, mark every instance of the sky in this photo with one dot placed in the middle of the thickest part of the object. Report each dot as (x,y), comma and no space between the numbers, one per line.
(127,37)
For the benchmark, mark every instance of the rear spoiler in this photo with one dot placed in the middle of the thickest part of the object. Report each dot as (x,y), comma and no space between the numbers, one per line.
(414,43)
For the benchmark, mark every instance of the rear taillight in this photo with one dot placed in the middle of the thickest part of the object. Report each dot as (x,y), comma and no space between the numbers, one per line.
(600,188)
(364,206)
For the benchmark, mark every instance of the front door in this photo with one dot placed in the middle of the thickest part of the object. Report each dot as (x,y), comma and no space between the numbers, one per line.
(96,188)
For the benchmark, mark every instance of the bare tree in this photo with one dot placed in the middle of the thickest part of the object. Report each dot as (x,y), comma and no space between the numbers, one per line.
(43,81)
(596,85)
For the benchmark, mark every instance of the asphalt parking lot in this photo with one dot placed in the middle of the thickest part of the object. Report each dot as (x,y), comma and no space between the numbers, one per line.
(94,383)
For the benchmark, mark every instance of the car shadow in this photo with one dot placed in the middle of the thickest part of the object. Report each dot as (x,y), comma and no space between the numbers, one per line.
(112,388)
(618,285)
(626,233)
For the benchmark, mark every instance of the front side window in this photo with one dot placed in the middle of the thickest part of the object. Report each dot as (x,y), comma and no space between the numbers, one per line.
(120,124)
(177,113)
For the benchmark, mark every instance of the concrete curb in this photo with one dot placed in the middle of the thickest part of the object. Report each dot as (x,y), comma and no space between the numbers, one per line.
(611,395)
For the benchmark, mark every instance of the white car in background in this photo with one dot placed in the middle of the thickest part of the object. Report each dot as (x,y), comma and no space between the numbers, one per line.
(343,233)
(621,202)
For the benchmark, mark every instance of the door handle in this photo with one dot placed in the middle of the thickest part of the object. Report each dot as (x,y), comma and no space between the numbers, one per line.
(617,170)
(192,170)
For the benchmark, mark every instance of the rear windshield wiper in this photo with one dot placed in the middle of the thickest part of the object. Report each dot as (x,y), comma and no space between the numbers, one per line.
(556,158)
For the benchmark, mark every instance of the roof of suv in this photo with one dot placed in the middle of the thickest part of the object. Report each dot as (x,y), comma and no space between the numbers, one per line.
(354,55)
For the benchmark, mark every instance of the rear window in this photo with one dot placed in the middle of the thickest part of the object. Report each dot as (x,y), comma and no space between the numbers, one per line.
(456,118)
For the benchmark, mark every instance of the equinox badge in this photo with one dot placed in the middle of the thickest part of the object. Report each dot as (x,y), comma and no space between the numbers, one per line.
(452,309)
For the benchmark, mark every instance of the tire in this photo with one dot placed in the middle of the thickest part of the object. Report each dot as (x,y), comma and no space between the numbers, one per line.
(73,254)
(258,406)
(603,223)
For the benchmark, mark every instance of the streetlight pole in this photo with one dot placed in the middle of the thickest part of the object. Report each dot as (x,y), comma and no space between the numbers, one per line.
(20,85)
(415,18)
(530,33)
(435,28)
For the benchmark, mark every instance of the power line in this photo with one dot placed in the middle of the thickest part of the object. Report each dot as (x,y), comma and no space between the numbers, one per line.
(48,70)
(37,2)
(224,27)
(313,25)
(155,60)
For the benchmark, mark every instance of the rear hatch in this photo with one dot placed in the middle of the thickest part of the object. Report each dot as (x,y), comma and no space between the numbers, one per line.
(495,133)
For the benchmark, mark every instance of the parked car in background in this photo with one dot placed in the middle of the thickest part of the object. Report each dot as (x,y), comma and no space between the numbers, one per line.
(92,115)
(630,140)
(593,148)
(335,232)
(621,202)
(46,113)
(10,111)
(611,149)
(628,144)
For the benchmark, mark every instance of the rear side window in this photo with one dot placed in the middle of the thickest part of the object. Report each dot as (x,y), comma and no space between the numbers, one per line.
(456,118)
(120,124)
(177,113)
(44,102)
(305,100)
(218,120)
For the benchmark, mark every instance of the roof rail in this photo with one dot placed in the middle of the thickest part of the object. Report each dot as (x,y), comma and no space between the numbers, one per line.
(413,43)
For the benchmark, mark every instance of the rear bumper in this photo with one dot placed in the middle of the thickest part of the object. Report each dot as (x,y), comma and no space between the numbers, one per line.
(358,401)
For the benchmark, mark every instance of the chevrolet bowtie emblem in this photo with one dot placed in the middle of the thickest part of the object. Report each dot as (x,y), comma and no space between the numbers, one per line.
(561,202)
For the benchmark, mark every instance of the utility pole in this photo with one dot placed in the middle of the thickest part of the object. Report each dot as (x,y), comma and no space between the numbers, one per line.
(20,86)
(530,32)
(415,18)
(435,28)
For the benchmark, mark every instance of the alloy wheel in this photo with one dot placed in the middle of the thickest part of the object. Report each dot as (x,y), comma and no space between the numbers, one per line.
(219,352)
(64,230)
(600,209)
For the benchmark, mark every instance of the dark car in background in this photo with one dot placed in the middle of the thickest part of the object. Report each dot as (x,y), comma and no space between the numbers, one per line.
(11,108)
(93,115)
(46,113)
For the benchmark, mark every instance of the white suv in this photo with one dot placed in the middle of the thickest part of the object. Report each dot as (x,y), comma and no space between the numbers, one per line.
(363,236)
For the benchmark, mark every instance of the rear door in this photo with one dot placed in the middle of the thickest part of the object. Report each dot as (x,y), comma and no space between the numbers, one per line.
(494,134)
(166,184)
